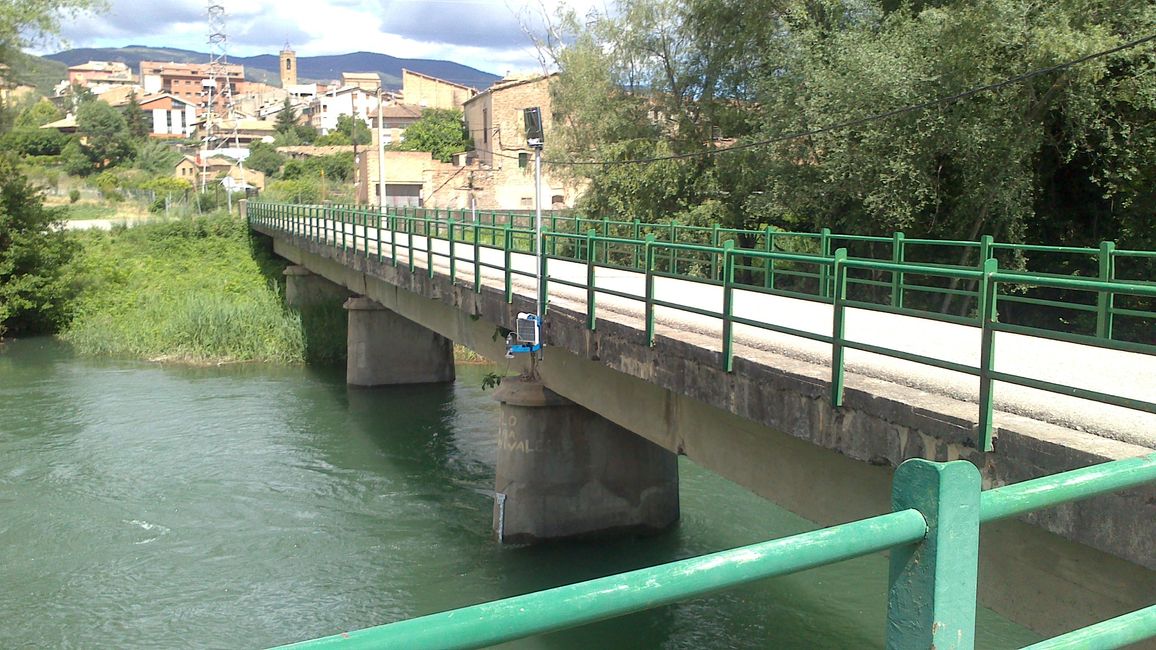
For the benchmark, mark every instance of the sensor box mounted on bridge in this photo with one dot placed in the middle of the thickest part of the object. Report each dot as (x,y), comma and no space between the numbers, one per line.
(526,336)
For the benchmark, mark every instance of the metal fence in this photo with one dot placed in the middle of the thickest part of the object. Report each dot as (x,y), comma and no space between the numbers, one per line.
(833,277)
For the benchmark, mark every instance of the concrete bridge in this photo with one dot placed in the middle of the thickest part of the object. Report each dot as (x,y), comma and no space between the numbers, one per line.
(730,378)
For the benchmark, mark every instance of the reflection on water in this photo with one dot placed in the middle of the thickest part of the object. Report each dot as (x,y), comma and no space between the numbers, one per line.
(247,506)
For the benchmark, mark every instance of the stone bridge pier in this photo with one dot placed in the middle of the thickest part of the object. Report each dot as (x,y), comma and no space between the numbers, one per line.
(564,471)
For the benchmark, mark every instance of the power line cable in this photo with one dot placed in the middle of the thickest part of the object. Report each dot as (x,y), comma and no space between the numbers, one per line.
(855,122)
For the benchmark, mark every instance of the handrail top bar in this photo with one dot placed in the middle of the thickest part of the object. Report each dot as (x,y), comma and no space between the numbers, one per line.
(1035,494)
(601,598)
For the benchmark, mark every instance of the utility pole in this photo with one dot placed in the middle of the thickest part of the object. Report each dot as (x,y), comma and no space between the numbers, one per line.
(380,152)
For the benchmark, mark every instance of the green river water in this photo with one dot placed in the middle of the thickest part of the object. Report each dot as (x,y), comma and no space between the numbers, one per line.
(246,506)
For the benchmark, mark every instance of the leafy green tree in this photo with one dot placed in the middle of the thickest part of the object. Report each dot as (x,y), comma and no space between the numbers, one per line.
(306,133)
(29,21)
(264,157)
(356,130)
(1064,157)
(37,115)
(34,142)
(333,139)
(103,134)
(74,161)
(35,290)
(295,190)
(156,157)
(136,119)
(287,118)
(26,138)
(441,132)
(334,167)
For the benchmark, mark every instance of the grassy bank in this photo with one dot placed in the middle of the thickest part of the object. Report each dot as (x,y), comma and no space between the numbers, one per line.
(197,290)
(193,290)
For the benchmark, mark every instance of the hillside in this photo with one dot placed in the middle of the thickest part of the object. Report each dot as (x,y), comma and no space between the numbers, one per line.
(36,71)
(309,68)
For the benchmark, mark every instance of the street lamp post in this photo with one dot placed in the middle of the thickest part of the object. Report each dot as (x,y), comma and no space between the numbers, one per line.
(380,153)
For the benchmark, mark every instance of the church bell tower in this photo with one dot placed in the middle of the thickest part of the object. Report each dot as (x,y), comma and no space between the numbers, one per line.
(288,67)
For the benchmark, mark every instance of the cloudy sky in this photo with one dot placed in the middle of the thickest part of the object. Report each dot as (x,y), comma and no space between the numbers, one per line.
(485,34)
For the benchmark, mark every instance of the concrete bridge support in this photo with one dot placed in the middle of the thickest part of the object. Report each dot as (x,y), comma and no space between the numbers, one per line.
(564,471)
(304,288)
(387,349)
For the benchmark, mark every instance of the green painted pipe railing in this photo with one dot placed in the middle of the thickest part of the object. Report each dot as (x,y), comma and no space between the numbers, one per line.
(933,535)
(831,274)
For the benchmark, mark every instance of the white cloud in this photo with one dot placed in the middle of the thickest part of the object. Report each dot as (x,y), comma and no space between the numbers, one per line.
(485,34)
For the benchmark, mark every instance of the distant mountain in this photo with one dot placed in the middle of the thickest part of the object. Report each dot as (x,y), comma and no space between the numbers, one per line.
(266,67)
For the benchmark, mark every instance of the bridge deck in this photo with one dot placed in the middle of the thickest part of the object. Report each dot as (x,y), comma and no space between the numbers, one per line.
(1120,373)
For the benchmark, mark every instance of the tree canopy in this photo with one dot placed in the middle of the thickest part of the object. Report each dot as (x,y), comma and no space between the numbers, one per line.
(1067,156)
(439,131)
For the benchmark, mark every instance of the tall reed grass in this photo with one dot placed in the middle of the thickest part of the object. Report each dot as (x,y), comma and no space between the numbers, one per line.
(194,290)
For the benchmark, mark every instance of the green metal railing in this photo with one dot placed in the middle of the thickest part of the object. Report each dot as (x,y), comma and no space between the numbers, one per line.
(932,532)
(1098,315)
(831,277)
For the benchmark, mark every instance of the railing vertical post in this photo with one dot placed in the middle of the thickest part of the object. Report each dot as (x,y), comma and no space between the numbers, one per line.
(728,270)
(507,248)
(409,228)
(986,249)
(898,255)
(932,588)
(378,231)
(824,272)
(988,314)
(838,328)
(393,237)
(429,240)
(1105,300)
(453,254)
(769,273)
(591,253)
(477,258)
(673,268)
(931,598)
(714,258)
(649,261)
(634,249)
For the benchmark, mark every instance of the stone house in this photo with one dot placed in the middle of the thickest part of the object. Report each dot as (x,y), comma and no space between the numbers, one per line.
(504,178)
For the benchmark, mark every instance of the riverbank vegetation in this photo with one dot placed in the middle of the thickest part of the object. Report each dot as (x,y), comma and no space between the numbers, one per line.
(191,290)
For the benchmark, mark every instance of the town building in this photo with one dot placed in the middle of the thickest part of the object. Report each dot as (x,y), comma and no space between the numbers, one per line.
(238,131)
(366,81)
(171,116)
(203,172)
(98,76)
(192,82)
(505,178)
(430,92)
(347,100)
(397,118)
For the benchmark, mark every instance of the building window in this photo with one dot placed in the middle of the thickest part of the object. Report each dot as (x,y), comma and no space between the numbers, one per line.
(485,125)
(527,201)
(288,64)
(523,160)
(556,199)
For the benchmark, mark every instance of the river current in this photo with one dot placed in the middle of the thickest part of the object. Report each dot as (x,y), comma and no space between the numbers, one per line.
(246,506)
